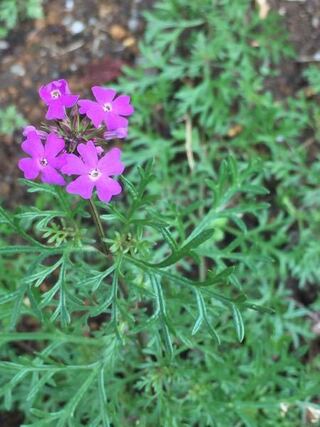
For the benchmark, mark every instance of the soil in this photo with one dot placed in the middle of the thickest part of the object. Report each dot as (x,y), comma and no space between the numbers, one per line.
(86,42)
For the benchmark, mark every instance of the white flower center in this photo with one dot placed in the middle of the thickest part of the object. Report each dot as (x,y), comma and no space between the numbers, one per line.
(107,107)
(43,162)
(55,94)
(94,174)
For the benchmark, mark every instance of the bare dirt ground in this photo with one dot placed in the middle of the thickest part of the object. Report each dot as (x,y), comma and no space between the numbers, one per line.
(84,41)
(89,41)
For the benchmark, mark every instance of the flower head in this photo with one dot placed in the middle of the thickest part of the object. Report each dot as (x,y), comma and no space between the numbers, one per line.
(94,172)
(44,160)
(108,108)
(119,133)
(31,128)
(58,97)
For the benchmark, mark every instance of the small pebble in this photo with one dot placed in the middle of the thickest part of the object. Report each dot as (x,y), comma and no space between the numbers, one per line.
(316,56)
(18,70)
(133,24)
(69,4)
(92,21)
(315,22)
(67,21)
(77,27)
(282,11)
(3,45)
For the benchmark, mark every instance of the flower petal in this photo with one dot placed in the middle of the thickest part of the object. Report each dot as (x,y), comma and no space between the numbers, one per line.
(56,110)
(106,188)
(44,94)
(83,186)
(28,129)
(103,95)
(74,165)
(96,114)
(29,167)
(113,121)
(121,105)
(69,100)
(50,176)
(62,85)
(110,163)
(120,133)
(33,145)
(59,161)
(89,154)
(53,146)
(84,105)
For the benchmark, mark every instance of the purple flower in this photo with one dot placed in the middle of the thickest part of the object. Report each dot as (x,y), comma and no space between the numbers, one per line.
(44,160)
(94,172)
(100,151)
(120,133)
(58,97)
(108,108)
(31,128)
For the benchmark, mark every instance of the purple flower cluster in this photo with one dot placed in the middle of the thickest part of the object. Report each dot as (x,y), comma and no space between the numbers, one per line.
(74,145)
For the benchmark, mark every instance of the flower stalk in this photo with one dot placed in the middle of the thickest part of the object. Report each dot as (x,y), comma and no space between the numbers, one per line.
(99,227)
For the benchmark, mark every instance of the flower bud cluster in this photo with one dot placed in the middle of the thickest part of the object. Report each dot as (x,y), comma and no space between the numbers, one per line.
(74,145)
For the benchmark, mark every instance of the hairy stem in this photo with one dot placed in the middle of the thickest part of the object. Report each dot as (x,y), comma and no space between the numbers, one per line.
(99,227)
(124,290)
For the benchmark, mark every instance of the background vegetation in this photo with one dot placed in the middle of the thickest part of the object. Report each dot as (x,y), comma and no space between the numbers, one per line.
(213,247)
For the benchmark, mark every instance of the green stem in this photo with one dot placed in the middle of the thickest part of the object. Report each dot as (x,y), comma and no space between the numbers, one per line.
(98,224)
(99,227)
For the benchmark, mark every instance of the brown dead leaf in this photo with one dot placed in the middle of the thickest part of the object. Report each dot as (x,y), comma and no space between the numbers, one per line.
(117,32)
(309,92)
(105,10)
(255,43)
(129,42)
(234,131)
(263,7)
(312,414)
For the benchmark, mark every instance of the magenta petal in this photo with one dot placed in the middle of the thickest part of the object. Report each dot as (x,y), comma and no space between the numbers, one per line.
(28,129)
(62,85)
(113,121)
(99,150)
(103,194)
(89,154)
(50,176)
(69,100)
(106,188)
(96,114)
(116,133)
(33,145)
(29,167)
(44,94)
(53,146)
(83,186)
(122,106)
(84,105)
(74,165)
(56,110)
(59,161)
(103,95)
(110,163)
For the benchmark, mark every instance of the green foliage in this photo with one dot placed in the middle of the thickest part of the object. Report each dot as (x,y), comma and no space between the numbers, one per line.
(190,318)
(10,120)
(12,11)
